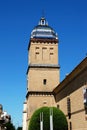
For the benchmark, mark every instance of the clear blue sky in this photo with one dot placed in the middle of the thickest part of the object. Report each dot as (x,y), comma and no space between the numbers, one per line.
(17,19)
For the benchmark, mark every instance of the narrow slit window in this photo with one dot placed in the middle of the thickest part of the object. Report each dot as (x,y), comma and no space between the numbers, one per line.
(44,81)
(69,107)
(70,125)
(85,99)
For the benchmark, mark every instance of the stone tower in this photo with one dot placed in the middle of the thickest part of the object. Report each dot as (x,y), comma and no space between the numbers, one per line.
(43,69)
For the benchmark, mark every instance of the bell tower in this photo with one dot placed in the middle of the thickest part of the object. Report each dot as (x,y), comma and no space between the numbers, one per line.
(43,69)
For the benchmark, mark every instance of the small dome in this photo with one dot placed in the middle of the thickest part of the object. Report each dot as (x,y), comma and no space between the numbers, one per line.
(43,30)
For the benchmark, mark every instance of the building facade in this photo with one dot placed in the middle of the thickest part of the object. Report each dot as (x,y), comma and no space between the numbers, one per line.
(43,80)
(71,97)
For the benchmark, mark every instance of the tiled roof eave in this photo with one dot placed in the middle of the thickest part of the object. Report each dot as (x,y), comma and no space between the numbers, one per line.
(78,69)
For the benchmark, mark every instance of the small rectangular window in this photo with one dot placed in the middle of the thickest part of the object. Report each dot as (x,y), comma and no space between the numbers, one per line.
(37,47)
(44,48)
(51,48)
(44,81)
(37,52)
(51,53)
(57,105)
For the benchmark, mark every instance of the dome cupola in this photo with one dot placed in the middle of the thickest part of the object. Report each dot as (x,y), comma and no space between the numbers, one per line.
(43,31)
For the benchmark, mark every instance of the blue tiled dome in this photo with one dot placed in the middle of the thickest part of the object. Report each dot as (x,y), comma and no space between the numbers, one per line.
(43,30)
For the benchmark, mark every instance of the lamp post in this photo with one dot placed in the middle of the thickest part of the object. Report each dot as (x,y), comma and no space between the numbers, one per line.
(41,121)
(51,120)
(4,118)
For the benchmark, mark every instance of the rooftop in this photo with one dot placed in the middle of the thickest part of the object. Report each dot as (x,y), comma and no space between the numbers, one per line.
(43,30)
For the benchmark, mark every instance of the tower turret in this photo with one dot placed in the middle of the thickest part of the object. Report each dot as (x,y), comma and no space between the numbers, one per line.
(43,69)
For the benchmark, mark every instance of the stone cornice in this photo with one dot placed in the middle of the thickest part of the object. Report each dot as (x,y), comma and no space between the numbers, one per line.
(54,66)
(42,93)
(43,40)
